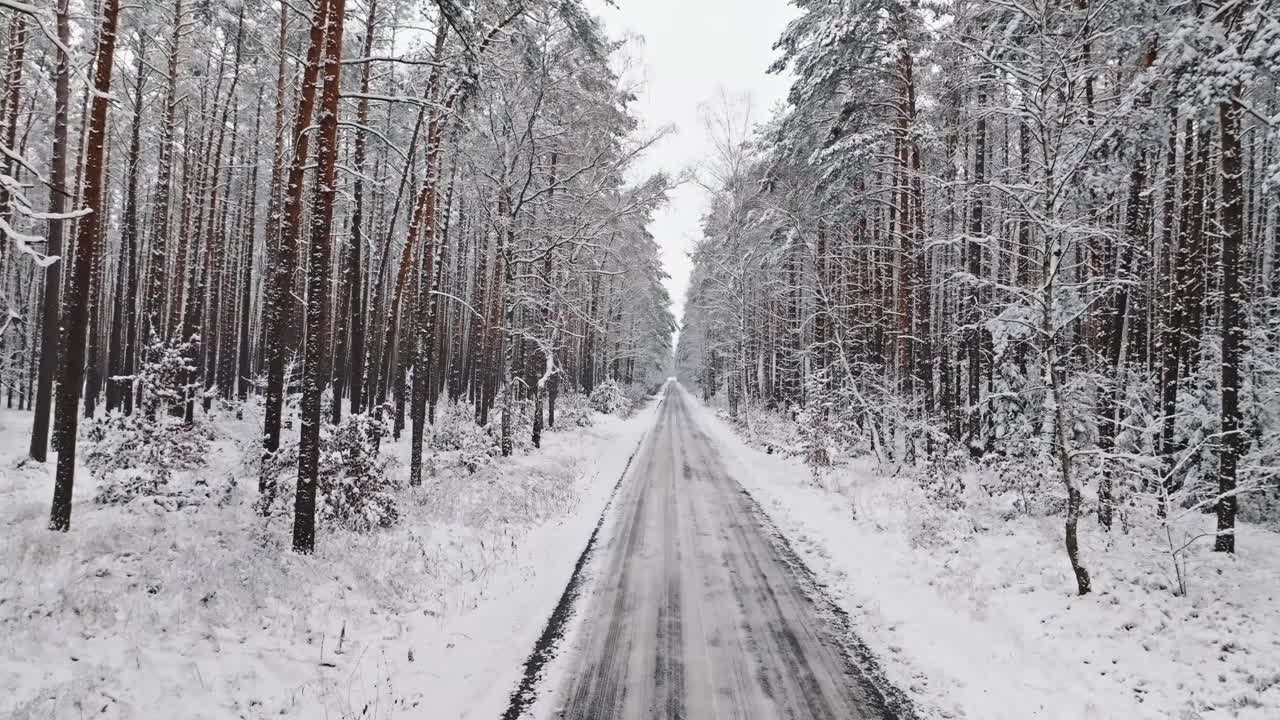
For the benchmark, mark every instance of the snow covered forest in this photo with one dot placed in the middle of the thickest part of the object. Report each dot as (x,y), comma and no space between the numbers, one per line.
(342,210)
(1036,239)
(308,276)
(340,372)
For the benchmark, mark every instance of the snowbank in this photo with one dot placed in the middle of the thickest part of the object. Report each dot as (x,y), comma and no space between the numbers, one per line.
(204,613)
(974,615)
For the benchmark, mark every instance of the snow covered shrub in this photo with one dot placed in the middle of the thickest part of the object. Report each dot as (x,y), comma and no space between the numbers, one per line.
(452,421)
(942,479)
(521,426)
(356,487)
(573,410)
(138,455)
(636,393)
(478,450)
(166,375)
(134,456)
(935,528)
(456,430)
(822,432)
(608,398)
(828,425)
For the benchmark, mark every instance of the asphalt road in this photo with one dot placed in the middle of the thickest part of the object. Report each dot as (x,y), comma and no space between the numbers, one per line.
(696,610)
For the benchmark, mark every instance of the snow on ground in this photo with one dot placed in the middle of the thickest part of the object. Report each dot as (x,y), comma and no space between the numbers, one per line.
(205,613)
(973,614)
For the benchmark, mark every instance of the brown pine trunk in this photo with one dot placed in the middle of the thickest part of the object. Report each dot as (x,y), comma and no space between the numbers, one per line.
(280,304)
(90,233)
(973,342)
(408,259)
(313,382)
(49,323)
(1233,323)
(124,326)
(349,356)
(13,100)
(906,233)
(423,232)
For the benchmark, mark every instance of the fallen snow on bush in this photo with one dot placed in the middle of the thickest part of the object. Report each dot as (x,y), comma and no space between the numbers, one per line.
(972,611)
(201,611)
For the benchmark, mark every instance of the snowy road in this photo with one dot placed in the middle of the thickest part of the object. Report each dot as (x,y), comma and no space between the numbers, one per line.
(696,610)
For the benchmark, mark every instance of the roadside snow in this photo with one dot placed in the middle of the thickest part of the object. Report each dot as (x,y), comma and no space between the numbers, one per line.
(973,614)
(205,613)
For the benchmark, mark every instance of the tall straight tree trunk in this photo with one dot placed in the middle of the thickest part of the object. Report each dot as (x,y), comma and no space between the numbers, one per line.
(13,108)
(313,382)
(905,214)
(423,232)
(123,331)
(158,286)
(280,304)
(351,343)
(502,317)
(90,233)
(973,343)
(49,323)
(207,266)
(548,337)
(271,239)
(408,260)
(13,102)
(1233,322)
(248,245)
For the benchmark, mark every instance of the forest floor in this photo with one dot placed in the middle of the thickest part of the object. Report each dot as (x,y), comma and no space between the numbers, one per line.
(203,612)
(971,611)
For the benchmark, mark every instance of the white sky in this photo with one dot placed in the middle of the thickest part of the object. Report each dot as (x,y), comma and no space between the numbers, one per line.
(692,51)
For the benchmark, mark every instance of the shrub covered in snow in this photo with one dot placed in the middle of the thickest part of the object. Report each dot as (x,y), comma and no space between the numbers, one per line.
(829,424)
(455,430)
(138,455)
(521,426)
(637,392)
(356,485)
(937,528)
(133,456)
(608,398)
(573,410)
(942,478)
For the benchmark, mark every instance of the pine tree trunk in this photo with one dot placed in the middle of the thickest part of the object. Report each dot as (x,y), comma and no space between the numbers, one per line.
(973,342)
(248,245)
(49,323)
(421,241)
(349,356)
(124,327)
(320,253)
(280,304)
(90,234)
(1233,323)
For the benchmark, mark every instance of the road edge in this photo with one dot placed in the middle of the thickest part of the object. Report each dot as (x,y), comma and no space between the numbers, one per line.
(895,700)
(546,647)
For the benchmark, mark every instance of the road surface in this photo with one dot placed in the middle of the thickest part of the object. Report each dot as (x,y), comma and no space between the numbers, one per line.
(695,610)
